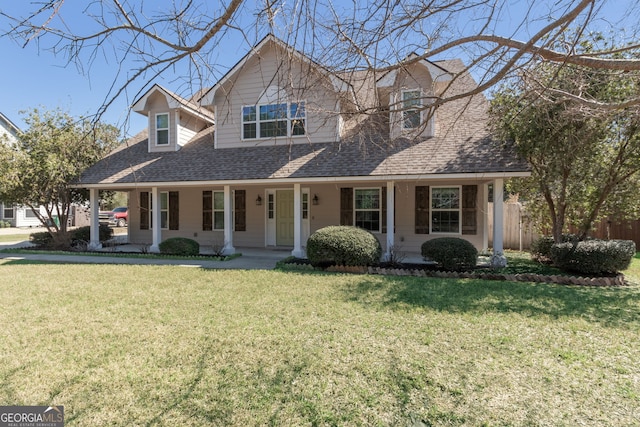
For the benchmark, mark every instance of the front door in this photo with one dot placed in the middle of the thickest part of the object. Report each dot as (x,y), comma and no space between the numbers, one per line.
(284,217)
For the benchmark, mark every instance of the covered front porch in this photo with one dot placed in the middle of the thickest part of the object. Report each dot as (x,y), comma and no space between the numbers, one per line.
(250,215)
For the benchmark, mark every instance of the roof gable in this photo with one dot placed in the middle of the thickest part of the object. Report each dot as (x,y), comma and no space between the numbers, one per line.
(339,84)
(174,101)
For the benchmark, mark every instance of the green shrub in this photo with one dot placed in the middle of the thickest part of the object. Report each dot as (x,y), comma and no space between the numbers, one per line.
(84,233)
(42,239)
(343,245)
(180,246)
(594,257)
(451,253)
(541,247)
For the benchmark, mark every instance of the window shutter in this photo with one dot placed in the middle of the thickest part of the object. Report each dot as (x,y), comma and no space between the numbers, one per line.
(207,210)
(346,206)
(469,209)
(422,210)
(174,210)
(383,210)
(240,215)
(144,210)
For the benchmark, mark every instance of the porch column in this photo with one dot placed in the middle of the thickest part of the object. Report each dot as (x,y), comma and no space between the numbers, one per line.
(228,221)
(297,222)
(156,223)
(485,217)
(94,235)
(391,212)
(498,259)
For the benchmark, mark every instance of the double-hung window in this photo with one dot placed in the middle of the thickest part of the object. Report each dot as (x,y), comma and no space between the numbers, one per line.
(411,109)
(445,210)
(8,212)
(162,129)
(367,208)
(273,120)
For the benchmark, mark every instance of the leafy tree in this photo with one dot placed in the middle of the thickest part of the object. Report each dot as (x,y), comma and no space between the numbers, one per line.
(39,169)
(585,160)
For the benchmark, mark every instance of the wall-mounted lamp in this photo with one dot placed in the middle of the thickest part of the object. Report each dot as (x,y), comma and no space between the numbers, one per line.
(315,199)
(259,201)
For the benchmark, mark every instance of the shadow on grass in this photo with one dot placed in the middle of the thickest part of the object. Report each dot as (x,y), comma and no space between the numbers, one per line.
(609,306)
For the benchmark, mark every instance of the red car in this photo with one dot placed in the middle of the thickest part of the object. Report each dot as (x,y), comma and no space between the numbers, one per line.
(117,217)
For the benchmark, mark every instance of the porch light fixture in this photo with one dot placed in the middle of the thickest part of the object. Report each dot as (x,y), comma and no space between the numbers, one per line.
(259,201)
(315,199)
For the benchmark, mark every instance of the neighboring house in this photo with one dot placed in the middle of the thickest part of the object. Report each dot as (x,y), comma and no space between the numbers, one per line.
(17,216)
(279,148)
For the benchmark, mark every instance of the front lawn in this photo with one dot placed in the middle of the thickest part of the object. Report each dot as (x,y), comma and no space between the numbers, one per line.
(152,345)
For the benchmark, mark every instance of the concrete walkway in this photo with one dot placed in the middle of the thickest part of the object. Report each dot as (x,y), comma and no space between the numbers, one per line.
(251,259)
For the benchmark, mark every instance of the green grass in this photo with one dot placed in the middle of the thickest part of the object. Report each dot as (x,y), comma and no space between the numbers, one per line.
(152,345)
(4,238)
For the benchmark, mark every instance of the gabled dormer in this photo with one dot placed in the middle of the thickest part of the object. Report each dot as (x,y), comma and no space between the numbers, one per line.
(278,96)
(173,120)
(409,91)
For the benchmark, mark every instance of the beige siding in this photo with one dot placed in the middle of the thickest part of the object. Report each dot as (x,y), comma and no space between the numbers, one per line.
(418,78)
(301,83)
(157,104)
(326,213)
(188,127)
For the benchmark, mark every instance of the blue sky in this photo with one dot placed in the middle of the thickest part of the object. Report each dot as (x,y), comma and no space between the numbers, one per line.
(31,78)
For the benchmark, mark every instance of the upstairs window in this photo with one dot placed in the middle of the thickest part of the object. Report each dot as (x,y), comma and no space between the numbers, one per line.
(162,129)
(273,120)
(411,109)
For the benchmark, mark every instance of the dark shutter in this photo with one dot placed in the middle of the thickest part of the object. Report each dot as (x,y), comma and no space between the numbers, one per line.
(346,206)
(240,207)
(469,209)
(174,210)
(207,210)
(422,210)
(144,210)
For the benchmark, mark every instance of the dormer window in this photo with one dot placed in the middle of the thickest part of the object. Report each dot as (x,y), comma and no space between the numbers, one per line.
(411,109)
(273,120)
(162,129)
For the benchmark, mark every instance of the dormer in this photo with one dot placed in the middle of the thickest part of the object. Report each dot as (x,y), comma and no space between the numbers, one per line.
(409,91)
(173,120)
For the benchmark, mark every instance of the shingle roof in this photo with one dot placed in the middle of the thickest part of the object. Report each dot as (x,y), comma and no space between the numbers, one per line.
(461,145)
(198,161)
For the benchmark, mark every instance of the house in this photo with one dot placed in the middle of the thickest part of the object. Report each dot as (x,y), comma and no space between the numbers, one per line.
(281,147)
(17,216)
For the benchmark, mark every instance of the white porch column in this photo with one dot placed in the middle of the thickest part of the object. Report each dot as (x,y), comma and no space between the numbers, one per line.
(156,226)
(391,212)
(297,222)
(485,217)
(228,221)
(498,259)
(94,239)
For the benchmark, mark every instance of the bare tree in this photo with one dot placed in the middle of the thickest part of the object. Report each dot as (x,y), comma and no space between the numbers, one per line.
(357,36)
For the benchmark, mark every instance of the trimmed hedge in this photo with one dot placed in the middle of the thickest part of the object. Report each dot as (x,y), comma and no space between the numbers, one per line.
(541,247)
(180,246)
(594,257)
(84,233)
(451,253)
(343,245)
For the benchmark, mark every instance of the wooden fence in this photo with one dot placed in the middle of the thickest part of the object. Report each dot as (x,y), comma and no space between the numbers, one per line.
(518,235)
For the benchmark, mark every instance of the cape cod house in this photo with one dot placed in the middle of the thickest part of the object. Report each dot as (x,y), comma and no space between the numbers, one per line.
(281,147)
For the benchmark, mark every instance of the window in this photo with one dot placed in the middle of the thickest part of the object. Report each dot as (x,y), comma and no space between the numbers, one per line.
(273,120)
(305,206)
(213,210)
(445,210)
(218,210)
(8,212)
(162,129)
(169,210)
(411,109)
(367,209)
(270,206)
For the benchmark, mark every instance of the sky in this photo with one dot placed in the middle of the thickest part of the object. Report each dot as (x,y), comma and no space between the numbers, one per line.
(31,77)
